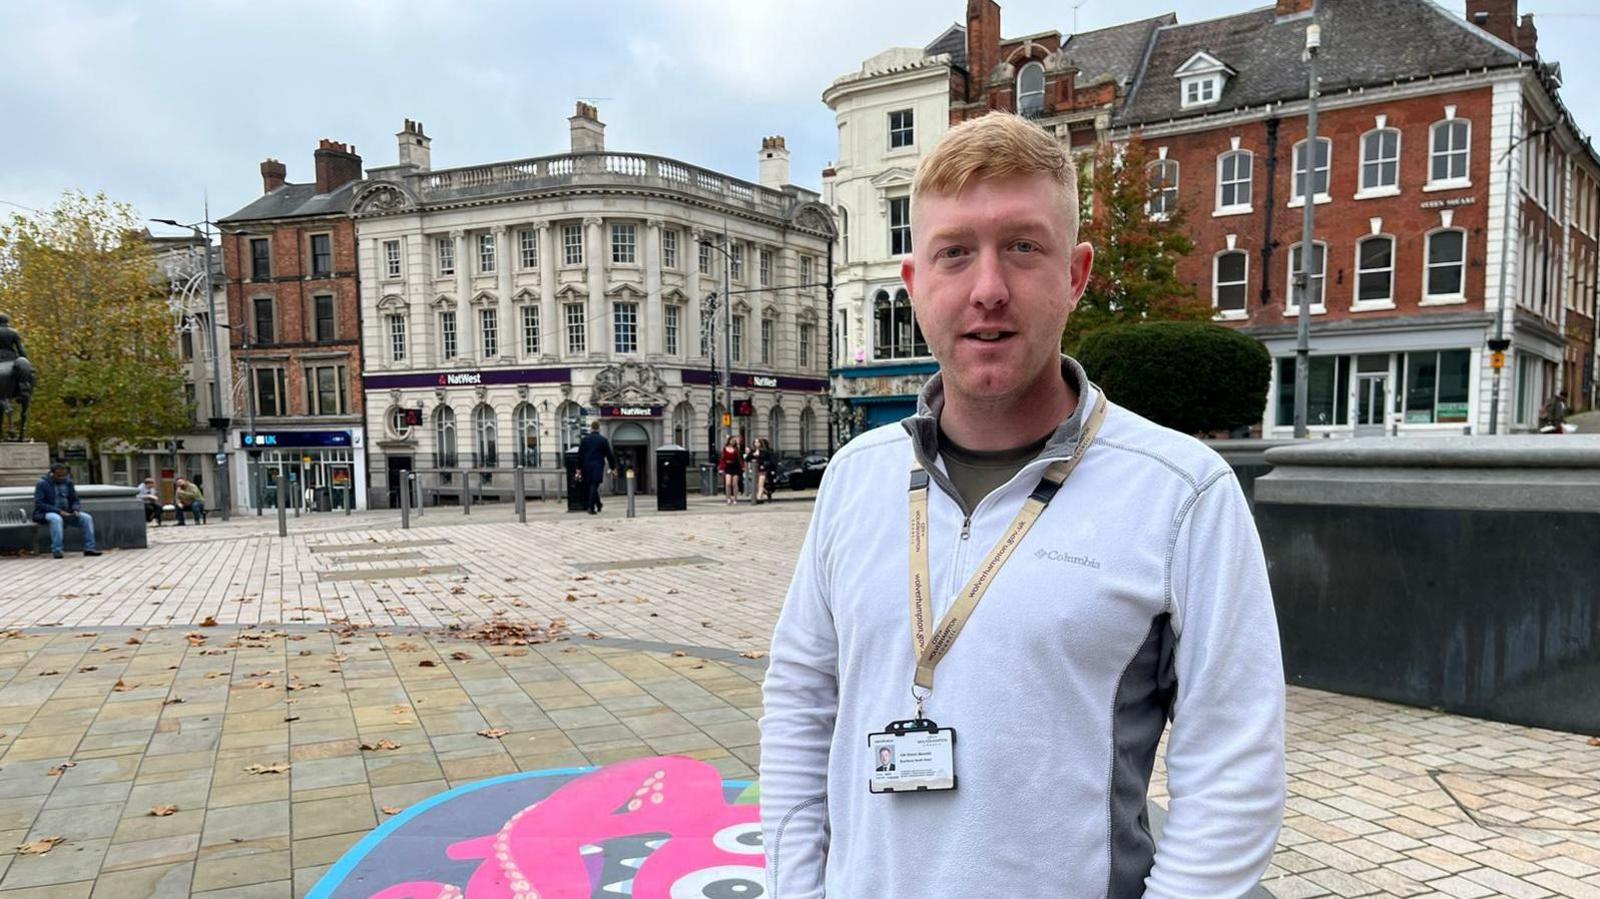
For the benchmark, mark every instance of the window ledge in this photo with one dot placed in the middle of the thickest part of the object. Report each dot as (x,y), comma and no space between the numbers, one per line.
(1457,184)
(1375,192)
(893,152)
(1158,216)
(1232,210)
(1294,311)
(1297,202)
(1371,305)
(1231,315)
(1449,300)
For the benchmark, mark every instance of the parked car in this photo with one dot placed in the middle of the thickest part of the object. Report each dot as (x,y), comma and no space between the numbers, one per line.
(802,474)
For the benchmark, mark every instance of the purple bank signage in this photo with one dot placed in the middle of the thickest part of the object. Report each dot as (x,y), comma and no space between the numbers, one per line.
(467,378)
(767,382)
(630,411)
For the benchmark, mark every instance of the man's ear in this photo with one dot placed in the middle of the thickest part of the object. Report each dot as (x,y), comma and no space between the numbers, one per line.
(908,274)
(1078,270)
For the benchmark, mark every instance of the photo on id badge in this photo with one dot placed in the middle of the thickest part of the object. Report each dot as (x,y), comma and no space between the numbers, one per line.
(905,760)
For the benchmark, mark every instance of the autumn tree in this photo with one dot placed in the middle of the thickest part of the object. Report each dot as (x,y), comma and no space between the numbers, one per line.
(81,284)
(1137,231)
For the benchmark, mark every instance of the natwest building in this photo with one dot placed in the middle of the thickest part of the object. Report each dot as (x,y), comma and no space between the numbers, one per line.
(290,259)
(1416,223)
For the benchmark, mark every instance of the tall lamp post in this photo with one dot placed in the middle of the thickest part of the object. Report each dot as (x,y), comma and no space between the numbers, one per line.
(1302,277)
(1499,343)
(218,420)
(727,322)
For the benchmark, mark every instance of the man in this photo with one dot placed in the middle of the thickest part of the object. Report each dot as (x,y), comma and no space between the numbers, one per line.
(594,459)
(1554,413)
(55,502)
(152,501)
(188,498)
(1121,579)
(885,759)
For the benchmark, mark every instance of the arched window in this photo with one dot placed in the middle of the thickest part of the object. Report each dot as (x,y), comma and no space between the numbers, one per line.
(1163,187)
(682,422)
(1319,170)
(1380,160)
(896,332)
(775,430)
(883,326)
(444,437)
(525,422)
(1030,90)
(1233,180)
(808,423)
(569,418)
(485,437)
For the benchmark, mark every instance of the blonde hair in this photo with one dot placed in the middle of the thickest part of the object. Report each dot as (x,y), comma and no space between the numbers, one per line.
(997,145)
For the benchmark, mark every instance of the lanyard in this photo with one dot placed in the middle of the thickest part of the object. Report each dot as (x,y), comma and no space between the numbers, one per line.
(930,651)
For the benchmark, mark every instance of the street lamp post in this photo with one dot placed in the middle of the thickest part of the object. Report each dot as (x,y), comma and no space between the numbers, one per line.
(218,420)
(727,321)
(1302,278)
(1499,344)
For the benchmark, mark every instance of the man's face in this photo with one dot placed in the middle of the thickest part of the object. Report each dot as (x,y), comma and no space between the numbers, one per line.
(58,474)
(994,274)
(883,756)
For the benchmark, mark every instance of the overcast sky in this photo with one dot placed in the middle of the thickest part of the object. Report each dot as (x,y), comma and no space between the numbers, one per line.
(162,104)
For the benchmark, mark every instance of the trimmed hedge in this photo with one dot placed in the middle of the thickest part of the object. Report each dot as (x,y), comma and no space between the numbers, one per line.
(1193,377)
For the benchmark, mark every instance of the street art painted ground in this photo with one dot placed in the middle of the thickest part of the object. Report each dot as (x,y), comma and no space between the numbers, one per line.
(653,828)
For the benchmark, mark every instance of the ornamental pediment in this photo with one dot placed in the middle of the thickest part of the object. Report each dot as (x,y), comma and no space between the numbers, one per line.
(628,383)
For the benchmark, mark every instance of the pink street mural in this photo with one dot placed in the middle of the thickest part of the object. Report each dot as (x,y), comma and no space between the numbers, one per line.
(654,828)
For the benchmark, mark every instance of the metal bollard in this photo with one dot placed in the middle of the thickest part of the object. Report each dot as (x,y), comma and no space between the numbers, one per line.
(630,492)
(521,493)
(283,520)
(466,491)
(405,500)
(349,499)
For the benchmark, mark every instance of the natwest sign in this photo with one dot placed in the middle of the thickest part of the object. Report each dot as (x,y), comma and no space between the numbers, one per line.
(763,381)
(630,411)
(460,378)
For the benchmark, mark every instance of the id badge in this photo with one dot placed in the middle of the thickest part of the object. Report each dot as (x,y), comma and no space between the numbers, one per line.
(912,755)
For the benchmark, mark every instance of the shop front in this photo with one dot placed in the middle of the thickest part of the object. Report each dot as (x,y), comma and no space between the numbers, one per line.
(633,432)
(317,471)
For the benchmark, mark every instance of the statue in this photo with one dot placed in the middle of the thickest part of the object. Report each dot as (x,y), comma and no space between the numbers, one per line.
(17,379)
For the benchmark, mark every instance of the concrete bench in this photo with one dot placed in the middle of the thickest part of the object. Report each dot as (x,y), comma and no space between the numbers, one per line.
(117,511)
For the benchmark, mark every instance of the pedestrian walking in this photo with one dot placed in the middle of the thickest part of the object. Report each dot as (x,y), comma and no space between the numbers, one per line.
(732,467)
(594,459)
(764,465)
(1121,581)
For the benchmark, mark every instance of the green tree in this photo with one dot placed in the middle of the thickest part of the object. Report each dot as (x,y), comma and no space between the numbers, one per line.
(81,284)
(1135,276)
(1194,377)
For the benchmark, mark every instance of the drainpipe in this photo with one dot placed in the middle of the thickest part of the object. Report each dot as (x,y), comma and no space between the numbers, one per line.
(1267,241)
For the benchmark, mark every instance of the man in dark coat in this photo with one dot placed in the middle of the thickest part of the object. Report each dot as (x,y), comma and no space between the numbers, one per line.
(594,458)
(55,502)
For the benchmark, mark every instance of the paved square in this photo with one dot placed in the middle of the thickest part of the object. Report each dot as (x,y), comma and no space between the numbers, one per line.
(285,697)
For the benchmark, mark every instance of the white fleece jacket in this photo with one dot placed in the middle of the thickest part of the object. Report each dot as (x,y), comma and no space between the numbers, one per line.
(1141,593)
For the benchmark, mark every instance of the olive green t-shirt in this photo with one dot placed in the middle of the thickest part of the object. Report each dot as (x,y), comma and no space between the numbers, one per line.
(975,473)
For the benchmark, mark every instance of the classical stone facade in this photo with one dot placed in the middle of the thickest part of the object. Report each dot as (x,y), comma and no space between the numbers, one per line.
(504,304)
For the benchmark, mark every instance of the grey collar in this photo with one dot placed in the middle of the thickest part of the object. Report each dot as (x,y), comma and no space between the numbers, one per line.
(924,425)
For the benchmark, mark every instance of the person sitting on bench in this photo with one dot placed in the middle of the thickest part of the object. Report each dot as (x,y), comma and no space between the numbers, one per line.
(151,500)
(55,503)
(188,498)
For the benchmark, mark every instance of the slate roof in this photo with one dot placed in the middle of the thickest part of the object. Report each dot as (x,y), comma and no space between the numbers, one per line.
(1364,43)
(953,42)
(297,201)
(1113,53)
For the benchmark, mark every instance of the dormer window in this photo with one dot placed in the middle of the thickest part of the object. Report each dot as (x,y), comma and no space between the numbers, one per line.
(1201,80)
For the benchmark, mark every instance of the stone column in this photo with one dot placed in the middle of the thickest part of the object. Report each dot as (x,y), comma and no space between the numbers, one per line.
(465,347)
(502,268)
(551,336)
(653,333)
(599,330)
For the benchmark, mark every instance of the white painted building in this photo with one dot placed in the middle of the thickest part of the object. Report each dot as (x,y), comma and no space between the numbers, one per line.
(503,304)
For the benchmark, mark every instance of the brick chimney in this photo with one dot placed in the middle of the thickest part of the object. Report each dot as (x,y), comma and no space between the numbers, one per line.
(773,162)
(1499,18)
(1294,7)
(983,38)
(413,144)
(272,175)
(588,132)
(337,165)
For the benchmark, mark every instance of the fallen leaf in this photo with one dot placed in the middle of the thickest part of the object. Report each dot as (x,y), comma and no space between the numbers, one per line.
(580,577)
(753,654)
(592,635)
(678,653)
(391,810)
(195,639)
(134,641)
(458,589)
(427,663)
(292,718)
(302,686)
(1594,741)
(274,768)
(305,652)
(209,621)
(48,673)
(88,668)
(173,701)
(672,591)
(493,733)
(120,687)
(571,598)
(58,770)
(381,745)
(460,655)
(40,847)
(213,652)
(161,811)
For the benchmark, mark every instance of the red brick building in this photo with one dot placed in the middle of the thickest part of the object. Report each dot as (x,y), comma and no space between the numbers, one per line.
(290,260)
(1417,112)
